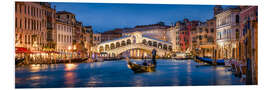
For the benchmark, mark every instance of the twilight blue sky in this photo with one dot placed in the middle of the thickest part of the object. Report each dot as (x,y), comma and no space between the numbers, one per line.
(105,16)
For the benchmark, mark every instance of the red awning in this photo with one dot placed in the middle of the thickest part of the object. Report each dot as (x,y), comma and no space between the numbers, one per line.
(52,52)
(22,50)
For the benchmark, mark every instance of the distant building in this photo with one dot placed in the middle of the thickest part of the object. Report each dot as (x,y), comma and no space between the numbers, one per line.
(185,37)
(203,39)
(96,38)
(88,39)
(173,36)
(157,31)
(110,35)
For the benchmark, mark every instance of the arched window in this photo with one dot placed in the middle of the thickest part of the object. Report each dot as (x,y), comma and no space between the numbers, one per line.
(165,46)
(101,49)
(155,44)
(150,43)
(112,46)
(237,33)
(144,42)
(237,18)
(128,41)
(107,47)
(170,48)
(159,45)
(123,43)
(117,44)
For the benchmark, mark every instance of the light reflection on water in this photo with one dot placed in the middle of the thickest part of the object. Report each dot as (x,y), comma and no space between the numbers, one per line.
(70,67)
(116,73)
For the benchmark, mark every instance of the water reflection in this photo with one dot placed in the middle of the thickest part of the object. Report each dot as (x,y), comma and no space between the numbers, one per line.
(70,67)
(97,64)
(138,81)
(116,73)
(189,79)
(70,79)
(38,67)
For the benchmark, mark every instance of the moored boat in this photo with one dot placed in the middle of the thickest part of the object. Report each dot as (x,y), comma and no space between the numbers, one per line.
(211,61)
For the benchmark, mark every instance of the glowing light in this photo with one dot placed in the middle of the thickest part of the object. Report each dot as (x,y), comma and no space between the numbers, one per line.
(69,47)
(70,67)
(35,68)
(74,47)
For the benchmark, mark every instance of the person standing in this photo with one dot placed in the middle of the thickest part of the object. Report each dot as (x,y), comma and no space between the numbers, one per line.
(154,56)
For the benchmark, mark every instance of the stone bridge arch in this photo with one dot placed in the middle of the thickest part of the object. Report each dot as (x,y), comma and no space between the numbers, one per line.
(124,43)
(120,50)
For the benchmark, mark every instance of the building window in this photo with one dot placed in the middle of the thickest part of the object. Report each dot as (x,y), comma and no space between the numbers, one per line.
(237,19)
(200,37)
(28,24)
(58,38)
(201,30)
(28,10)
(237,33)
(212,30)
(20,23)
(25,39)
(40,26)
(205,36)
(220,35)
(24,9)
(25,23)
(32,10)
(20,7)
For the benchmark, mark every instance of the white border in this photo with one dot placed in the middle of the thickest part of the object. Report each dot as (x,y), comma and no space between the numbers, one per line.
(7,78)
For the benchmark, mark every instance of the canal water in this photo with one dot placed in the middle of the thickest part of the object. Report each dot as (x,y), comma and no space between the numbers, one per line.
(117,74)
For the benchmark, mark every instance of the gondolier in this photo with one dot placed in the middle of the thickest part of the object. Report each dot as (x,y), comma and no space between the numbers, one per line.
(154,51)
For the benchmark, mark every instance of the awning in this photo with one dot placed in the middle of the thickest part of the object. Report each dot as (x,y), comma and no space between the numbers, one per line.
(22,50)
(52,52)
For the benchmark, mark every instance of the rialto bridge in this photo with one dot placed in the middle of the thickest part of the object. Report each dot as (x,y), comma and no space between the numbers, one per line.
(135,41)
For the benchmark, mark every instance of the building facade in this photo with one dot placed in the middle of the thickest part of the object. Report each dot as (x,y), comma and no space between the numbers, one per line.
(185,37)
(65,28)
(173,37)
(203,39)
(248,43)
(157,31)
(88,39)
(110,35)
(96,38)
(227,32)
(34,25)
(64,37)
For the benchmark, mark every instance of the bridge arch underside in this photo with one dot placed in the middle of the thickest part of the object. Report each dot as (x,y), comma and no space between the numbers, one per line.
(136,53)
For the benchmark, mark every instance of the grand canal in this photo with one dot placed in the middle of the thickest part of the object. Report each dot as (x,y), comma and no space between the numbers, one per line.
(117,74)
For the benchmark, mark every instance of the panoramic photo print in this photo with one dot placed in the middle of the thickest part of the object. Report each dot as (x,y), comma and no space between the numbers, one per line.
(65,44)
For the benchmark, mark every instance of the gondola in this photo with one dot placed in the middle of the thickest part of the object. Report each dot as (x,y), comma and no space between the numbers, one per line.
(18,61)
(137,68)
(210,61)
